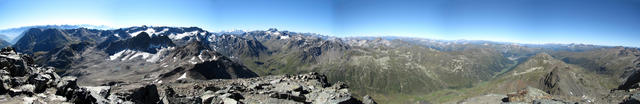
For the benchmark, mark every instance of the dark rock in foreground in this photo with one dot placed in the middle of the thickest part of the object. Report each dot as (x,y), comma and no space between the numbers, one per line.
(286,89)
(23,81)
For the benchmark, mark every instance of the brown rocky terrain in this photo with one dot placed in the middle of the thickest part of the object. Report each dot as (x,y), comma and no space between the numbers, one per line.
(21,81)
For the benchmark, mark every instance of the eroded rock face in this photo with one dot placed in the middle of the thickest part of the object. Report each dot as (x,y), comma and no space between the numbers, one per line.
(632,81)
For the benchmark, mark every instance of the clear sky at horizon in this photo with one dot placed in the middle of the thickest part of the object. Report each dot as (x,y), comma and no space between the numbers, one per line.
(602,22)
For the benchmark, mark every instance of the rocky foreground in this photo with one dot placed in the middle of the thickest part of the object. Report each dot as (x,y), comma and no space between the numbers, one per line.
(627,93)
(531,95)
(22,81)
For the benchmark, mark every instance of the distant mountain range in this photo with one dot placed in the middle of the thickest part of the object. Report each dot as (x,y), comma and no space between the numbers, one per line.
(390,69)
(12,35)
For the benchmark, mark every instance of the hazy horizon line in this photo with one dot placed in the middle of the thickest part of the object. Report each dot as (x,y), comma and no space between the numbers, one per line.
(111,27)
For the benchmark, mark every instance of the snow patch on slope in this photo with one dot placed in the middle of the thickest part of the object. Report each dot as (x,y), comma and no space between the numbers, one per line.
(133,54)
(284,37)
(161,53)
(144,55)
(150,31)
(116,56)
(211,38)
(193,60)
(183,76)
(182,35)
(528,70)
(12,56)
(163,31)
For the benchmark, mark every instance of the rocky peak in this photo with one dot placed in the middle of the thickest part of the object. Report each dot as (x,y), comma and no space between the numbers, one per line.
(272,30)
(193,29)
(194,49)
(542,56)
(238,46)
(35,40)
(141,42)
(144,36)
(196,46)
(197,61)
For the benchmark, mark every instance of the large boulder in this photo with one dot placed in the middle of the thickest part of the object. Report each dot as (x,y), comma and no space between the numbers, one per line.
(43,80)
(147,94)
(69,88)
(100,93)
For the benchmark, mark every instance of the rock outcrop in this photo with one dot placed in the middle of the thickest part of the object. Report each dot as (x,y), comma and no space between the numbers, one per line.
(23,81)
(287,89)
(527,95)
(534,96)
(633,80)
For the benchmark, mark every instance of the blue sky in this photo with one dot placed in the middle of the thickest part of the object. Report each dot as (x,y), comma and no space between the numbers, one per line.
(603,22)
